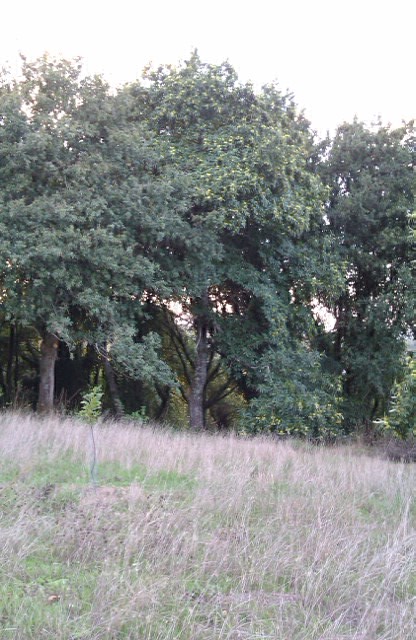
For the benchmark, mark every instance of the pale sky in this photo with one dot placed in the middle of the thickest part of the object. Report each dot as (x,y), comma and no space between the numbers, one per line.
(340,59)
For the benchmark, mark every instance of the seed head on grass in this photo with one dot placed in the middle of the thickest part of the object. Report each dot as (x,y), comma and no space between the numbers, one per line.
(201,537)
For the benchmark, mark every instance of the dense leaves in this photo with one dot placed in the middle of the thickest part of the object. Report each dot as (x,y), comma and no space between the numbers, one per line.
(371,180)
(401,416)
(185,243)
(69,268)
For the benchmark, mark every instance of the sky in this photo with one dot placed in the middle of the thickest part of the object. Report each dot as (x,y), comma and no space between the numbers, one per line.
(339,59)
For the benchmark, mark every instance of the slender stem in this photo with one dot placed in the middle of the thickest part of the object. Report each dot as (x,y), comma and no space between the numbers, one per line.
(93,467)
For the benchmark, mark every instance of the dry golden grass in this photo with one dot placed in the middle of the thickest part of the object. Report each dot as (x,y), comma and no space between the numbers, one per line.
(200,537)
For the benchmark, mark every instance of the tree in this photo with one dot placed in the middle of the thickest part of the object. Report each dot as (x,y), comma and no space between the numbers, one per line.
(241,168)
(370,176)
(68,266)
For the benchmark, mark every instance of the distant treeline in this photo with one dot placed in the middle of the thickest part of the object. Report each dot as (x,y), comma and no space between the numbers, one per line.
(187,244)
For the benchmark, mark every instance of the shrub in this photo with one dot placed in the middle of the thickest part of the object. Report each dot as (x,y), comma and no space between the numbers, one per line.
(401,417)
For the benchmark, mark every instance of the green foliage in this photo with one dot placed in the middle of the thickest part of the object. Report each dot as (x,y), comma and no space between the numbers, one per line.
(91,405)
(370,177)
(244,224)
(70,263)
(140,359)
(184,230)
(304,402)
(401,416)
(140,415)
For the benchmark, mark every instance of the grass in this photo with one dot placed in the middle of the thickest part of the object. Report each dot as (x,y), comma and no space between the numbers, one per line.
(200,537)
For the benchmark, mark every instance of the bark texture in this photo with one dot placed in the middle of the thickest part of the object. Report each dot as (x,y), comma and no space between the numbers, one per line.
(48,355)
(118,409)
(199,381)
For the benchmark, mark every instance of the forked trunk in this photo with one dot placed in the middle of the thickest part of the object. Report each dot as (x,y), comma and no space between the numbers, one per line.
(48,355)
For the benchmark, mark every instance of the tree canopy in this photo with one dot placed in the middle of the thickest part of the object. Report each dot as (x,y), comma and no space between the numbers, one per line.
(369,213)
(177,238)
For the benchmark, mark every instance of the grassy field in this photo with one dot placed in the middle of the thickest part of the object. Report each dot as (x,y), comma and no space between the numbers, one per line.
(200,537)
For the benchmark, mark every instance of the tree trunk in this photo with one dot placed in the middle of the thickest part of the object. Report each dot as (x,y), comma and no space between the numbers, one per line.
(118,408)
(10,388)
(164,394)
(197,391)
(16,361)
(48,355)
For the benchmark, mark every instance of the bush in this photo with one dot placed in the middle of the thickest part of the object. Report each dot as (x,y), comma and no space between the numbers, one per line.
(401,417)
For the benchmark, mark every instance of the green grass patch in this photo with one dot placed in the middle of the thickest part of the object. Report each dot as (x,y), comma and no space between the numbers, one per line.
(114,473)
(379,505)
(64,470)
(47,598)
(9,472)
(169,481)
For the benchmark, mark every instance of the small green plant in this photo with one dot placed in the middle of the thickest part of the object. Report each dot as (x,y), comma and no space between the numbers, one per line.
(141,414)
(90,412)
(91,405)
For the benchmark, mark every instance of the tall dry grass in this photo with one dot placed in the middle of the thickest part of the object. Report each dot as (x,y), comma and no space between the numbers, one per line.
(199,537)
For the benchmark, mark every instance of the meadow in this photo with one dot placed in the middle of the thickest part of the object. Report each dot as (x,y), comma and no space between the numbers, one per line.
(177,536)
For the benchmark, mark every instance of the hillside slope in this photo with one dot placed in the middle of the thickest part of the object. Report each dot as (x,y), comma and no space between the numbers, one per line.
(200,537)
